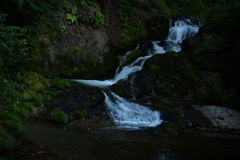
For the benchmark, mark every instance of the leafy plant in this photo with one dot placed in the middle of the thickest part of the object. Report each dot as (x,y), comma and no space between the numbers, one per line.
(27,105)
(176,77)
(10,122)
(59,116)
(124,8)
(59,83)
(97,19)
(6,140)
(64,29)
(72,19)
(70,117)
(80,114)
(131,32)
(75,54)
(162,104)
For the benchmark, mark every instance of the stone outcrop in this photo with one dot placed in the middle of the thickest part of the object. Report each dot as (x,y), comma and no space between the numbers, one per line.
(221,117)
(80,98)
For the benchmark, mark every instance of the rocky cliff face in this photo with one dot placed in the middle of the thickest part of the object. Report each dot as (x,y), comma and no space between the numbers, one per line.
(86,38)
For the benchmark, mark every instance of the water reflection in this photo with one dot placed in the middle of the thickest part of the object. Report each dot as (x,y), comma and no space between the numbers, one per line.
(93,141)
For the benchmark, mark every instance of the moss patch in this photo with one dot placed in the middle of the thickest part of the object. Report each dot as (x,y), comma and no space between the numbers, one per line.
(37,82)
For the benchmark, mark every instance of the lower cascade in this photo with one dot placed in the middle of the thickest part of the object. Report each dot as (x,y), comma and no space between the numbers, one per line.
(131,115)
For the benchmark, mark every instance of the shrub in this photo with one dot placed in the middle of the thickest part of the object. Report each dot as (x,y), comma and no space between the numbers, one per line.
(59,116)
(97,19)
(12,126)
(21,112)
(37,98)
(59,83)
(80,114)
(6,140)
(27,105)
(70,117)
(18,111)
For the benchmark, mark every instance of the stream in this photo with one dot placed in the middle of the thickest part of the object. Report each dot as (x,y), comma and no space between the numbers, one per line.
(48,141)
(131,115)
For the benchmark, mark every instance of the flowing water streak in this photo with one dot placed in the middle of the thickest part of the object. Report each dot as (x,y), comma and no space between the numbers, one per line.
(132,115)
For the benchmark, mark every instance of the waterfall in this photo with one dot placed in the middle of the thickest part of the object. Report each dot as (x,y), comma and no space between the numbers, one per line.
(132,115)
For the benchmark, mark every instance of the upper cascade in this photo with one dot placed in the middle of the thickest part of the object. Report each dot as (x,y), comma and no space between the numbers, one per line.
(180,30)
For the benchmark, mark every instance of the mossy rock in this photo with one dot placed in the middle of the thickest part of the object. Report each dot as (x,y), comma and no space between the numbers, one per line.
(27,95)
(133,56)
(37,82)
(174,76)
(215,89)
(172,72)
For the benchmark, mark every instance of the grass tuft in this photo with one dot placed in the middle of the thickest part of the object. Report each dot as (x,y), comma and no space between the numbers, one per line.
(59,116)
(6,140)
(80,114)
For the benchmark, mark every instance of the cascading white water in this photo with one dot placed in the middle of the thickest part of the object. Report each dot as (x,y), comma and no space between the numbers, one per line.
(177,33)
(132,115)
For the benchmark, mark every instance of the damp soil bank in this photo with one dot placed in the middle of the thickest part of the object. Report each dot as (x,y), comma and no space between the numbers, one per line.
(91,141)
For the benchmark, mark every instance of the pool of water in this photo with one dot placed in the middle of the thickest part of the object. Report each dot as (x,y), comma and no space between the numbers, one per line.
(48,141)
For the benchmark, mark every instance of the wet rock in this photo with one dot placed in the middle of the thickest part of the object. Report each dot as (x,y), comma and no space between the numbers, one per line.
(190,43)
(80,98)
(174,76)
(221,117)
(216,92)
(165,154)
(137,86)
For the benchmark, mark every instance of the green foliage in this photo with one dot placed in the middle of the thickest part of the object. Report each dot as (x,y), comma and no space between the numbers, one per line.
(27,105)
(34,12)
(59,83)
(124,9)
(53,94)
(74,55)
(6,140)
(70,117)
(71,17)
(10,122)
(36,81)
(223,20)
(131,32)
(97,19)
(13,49)
(88,2)
(37,98)
(63,29)
(82,2)
(162,104)
(162,5)
(80,114)
(222,23)
(59,116)
(176,77)
(153,68)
